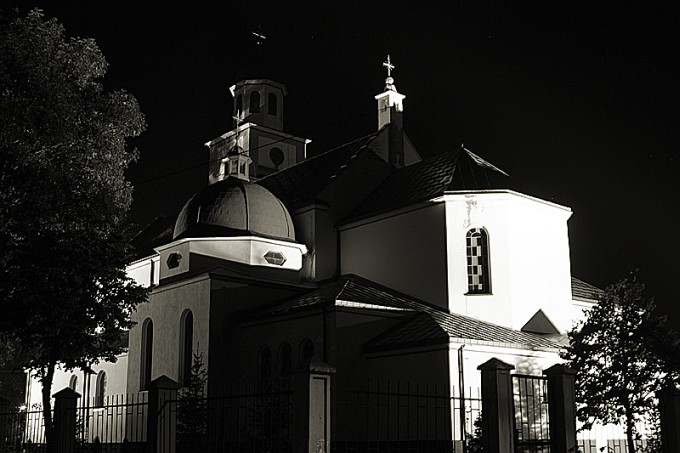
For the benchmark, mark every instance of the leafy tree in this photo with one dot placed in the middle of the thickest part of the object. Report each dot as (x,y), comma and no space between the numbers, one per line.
(623,353)
(63,200)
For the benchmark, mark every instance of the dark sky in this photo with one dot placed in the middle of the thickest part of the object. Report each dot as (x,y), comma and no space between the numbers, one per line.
(578,100)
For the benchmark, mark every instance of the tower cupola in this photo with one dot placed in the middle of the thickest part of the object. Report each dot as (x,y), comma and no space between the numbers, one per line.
(390,101)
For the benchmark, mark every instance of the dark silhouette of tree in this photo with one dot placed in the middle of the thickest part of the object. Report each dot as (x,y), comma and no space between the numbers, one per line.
(623,352)
(63,200)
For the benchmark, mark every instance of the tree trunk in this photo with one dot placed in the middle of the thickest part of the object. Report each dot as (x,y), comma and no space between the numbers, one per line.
(629,430)
(46,381)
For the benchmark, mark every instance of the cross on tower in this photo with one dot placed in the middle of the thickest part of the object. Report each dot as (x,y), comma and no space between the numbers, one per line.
(388,64)
(260,37)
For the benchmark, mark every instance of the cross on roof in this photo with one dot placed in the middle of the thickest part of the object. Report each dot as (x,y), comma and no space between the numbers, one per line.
(238,118)
(388,64)
(260,37)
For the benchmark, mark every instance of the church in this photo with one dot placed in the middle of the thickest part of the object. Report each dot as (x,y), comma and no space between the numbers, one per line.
(366,258)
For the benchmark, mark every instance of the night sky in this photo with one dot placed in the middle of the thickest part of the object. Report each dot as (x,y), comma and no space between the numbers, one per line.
(577,100)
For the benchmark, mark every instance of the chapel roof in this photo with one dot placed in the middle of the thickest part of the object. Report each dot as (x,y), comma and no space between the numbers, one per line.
(425,323)
(459,169)
(302,183)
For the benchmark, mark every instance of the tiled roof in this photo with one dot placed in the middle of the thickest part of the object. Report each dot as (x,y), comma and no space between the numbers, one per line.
(584,290)
(455,170)
(301,184)
(429,324)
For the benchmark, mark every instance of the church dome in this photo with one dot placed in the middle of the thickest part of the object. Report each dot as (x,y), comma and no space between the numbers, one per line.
(233,207)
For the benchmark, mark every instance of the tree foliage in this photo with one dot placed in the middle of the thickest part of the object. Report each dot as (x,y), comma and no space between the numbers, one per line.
(63,198)
(192,408)
(623,353)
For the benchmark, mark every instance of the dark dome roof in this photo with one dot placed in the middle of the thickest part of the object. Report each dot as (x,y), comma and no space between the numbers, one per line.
(233,207)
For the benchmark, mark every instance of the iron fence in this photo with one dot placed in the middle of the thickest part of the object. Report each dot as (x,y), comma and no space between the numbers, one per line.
(21,431)
(532,430)
(374,415)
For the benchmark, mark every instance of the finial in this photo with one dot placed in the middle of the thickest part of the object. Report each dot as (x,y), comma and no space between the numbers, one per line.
(389,81)
(260,37)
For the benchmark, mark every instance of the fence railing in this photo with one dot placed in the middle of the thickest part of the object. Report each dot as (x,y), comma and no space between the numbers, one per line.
(121,419)
(376,414)
(21,430)
(532,421)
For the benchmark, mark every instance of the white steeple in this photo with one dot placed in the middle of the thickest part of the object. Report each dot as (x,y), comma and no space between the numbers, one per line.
(390,102)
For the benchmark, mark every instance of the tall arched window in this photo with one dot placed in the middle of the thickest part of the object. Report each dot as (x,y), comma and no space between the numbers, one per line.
(73,383)
(186,338)
(306,351)
(254,102)
(100,389)
(264,366)
(272,104)
(285,360)
(147,353)
(479,278)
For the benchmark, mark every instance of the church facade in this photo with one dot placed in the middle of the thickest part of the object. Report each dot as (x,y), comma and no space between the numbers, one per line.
(367,257)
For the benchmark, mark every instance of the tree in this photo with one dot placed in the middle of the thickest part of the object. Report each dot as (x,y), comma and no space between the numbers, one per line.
(63,200)
(623,353)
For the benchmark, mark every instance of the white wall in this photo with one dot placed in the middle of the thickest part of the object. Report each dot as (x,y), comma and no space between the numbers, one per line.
(529,257)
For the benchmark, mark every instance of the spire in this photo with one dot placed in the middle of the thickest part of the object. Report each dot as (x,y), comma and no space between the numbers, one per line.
(390,101)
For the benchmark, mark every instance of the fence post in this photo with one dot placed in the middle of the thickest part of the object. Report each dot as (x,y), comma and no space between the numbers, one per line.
(162,418)
(5,421)
(669,413)
(65,419)
(498,417)
(561,408)
(312,408)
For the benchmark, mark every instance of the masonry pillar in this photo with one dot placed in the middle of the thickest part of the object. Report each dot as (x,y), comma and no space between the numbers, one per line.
(312,408)
(498,416)
(65,419)
(161,434)
(562,408)
(6,419)
(669,413)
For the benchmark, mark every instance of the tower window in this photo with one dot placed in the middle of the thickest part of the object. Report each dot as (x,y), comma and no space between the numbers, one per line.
(147,354)
(254,102)
(186,337)
(479,279)
(100,389)
(272,104)
(239,105)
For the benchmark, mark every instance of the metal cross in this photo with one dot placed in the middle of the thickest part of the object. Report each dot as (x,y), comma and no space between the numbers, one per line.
(260,37)
(238,118)
(389,66)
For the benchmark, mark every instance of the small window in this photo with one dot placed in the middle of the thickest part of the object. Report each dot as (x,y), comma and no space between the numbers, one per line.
(254,102)
(147,354)
(477,244)
(100,390)
(238,110)
(272,104)
(186,338)
(285,360)
(306,351)
(73,383)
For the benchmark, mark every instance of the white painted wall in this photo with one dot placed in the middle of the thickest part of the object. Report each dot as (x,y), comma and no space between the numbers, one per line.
(529,257)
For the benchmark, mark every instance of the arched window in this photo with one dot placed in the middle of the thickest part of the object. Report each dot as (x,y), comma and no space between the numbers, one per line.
(285,360)
(477,244)
(254,102)
(186,338)
(100,389)
(147,353)
(73,383)
(272,104)
(264,366)
(238,110)
(306,351)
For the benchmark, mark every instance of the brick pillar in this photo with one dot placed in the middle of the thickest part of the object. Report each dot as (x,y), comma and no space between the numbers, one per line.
(65,417)
(161,431)
(562,408)
(498,413)
(312,408)
(669,413)
(5,421)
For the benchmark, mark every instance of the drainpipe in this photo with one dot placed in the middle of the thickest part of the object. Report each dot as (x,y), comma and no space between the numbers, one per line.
(461,393)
